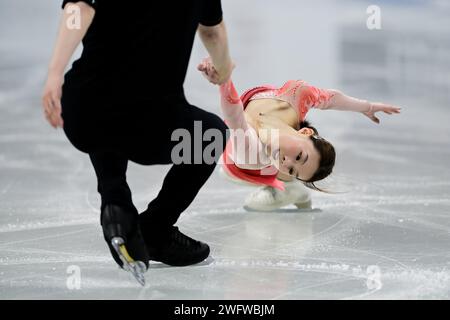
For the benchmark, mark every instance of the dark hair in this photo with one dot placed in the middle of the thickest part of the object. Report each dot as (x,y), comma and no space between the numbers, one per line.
(327,157)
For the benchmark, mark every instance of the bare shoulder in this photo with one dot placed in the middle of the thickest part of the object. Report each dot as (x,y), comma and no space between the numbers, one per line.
(265,105)
(273,107)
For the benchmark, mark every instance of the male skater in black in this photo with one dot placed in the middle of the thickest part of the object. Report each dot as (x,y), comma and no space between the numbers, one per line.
(121,101)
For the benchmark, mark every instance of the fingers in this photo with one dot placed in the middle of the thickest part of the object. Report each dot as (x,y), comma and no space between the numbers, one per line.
(391,110)
(48,118)
(208,71)
(375,119)
(207,77)
(52,110)
(58,112)
(202,66)
(379,106)
(372,117)
(211,78)
(48,110)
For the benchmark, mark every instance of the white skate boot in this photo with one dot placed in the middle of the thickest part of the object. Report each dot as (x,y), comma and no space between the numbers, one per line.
(268,198)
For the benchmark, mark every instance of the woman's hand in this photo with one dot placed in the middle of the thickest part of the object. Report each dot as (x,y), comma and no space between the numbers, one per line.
(214,76)
(377,107)
(51,100)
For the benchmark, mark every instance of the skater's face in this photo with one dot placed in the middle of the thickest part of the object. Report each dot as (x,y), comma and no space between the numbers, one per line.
(296,154)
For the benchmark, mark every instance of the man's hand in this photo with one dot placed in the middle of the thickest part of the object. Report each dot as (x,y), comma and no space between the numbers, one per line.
(51,100)
(214,76)
(377,107)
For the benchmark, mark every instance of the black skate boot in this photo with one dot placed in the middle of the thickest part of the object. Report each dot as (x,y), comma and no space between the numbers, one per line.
(123,235)
(173,248)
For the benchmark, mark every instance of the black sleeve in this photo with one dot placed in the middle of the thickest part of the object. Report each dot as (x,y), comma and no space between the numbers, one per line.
(211,14)
(92,3)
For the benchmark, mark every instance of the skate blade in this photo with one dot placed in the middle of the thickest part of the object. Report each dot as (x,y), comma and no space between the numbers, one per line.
(249,209)
(136,268)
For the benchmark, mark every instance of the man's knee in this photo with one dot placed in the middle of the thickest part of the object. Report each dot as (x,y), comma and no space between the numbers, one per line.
(79,141)
(216,123)
(221,135)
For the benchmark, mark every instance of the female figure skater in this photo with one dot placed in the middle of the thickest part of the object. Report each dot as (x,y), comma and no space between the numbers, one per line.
(299,156)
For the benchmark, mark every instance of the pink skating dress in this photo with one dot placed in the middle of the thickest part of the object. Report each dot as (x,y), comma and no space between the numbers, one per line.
(299,94)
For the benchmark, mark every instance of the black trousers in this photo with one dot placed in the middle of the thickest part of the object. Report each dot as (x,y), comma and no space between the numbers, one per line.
(115,132)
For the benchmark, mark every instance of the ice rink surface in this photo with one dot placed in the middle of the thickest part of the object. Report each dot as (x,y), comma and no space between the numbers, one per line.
(385,236)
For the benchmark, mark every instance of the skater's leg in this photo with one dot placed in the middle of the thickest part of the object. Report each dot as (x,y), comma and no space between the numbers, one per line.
(183,181)
(110,168)
(98,127)
(181,185)
(165,243)
(119,217)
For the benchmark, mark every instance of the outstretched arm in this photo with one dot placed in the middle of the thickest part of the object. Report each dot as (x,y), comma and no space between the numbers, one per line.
(306,96)
(341,101)
(67,41)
